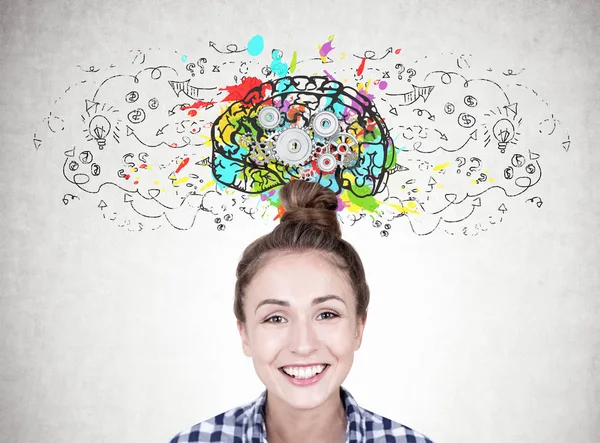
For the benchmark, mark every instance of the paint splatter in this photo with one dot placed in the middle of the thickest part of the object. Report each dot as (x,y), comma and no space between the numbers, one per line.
(361,68)
(325,49)
(197,105)
(238,92)
(256,45)
(182,164)
(293,62)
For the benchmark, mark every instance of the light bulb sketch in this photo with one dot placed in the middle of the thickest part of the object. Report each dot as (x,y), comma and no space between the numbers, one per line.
(99,129)
(504,132)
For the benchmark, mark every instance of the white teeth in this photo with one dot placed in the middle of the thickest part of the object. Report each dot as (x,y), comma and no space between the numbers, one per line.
(304,372)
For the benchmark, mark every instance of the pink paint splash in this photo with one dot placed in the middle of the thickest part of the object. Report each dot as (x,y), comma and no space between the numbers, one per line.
(328,75)
(326,48)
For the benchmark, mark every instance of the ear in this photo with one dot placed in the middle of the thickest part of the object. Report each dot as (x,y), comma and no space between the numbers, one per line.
(360,328)
(245,340)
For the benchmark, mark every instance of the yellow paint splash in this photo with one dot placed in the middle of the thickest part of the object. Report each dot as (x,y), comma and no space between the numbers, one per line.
(207,185)
(401,208)
(440,167)
(180,181)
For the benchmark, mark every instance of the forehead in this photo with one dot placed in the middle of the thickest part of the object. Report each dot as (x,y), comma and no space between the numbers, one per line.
(298,278)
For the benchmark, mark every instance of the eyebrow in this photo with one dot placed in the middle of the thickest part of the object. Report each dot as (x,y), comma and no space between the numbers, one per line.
(316,301)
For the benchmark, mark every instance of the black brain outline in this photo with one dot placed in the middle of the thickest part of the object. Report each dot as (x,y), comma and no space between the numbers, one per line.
(233,167)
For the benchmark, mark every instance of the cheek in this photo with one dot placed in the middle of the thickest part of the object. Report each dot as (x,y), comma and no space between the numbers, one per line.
(340,342)
(267,344)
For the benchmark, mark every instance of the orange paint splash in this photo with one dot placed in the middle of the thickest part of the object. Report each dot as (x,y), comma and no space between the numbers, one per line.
(280,212)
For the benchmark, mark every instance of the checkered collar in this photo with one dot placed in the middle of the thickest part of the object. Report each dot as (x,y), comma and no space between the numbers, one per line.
(256,431)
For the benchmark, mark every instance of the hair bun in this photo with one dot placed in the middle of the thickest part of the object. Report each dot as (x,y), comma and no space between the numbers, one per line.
(310,202)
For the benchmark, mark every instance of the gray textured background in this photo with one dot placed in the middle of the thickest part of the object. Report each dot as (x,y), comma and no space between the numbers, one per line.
(107,336)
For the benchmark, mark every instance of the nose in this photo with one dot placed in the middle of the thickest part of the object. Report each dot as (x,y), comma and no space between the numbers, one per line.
(303,338)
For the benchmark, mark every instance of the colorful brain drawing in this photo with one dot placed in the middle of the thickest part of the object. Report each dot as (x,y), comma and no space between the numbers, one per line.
(310,128)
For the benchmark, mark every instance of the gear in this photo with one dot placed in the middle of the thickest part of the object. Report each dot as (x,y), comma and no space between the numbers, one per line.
(293,146)
(269,117)
(263,152)
(327,162)
(345,147)
(325,124)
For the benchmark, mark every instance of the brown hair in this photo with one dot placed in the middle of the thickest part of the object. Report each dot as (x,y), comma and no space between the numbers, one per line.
(309,223)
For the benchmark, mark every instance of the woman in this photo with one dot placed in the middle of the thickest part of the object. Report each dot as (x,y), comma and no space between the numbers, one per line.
(301,305)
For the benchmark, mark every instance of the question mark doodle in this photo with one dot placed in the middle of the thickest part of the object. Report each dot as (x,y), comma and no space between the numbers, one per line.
(200,63)
(66,200)
(411,73)
(190,67)
(537,200)
(474,168)
(129,163)
(399,66)
(460,164)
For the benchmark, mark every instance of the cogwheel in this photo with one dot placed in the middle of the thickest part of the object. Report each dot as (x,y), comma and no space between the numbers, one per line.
(269,117)
(345,146)
(293,146)
(325,124)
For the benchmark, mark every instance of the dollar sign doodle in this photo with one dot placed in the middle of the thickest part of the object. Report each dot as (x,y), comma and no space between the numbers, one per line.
(136,116)
(470,101)
(132,97)
(466,120)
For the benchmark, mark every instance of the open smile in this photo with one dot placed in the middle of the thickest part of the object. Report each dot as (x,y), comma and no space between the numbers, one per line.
(301,378)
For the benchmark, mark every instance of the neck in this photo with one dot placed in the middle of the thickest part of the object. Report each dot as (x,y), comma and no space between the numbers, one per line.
(324,424)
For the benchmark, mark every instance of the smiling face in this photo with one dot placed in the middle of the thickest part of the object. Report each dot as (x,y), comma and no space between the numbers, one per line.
(300,310)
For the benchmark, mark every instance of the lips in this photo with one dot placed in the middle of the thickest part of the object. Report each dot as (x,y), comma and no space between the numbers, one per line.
(305,381)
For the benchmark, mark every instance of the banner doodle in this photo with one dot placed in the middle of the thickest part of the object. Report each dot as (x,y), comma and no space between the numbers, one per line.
(436,143)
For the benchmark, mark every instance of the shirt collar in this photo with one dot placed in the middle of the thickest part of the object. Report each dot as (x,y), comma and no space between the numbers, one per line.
(256,431)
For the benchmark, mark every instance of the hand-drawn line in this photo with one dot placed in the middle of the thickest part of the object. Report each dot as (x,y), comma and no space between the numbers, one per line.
(371,55)
(408,98)
(229,49)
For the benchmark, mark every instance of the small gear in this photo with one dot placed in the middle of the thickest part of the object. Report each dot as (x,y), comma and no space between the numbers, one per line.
(327,162)
(269,117)
(345,146)
(263,152)
(325,124)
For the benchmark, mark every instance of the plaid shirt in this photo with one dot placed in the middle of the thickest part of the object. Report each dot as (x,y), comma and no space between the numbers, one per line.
(246,424)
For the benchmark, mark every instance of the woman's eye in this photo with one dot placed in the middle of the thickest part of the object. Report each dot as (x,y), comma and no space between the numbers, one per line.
(277,318)
(331,315)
